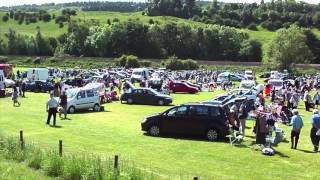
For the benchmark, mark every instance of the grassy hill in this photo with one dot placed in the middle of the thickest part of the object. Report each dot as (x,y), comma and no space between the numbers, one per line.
(52,29)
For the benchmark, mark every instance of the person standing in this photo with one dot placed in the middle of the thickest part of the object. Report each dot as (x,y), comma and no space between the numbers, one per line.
(315,130)
(63,103)
(23,88)
(297,124)
(243,114)
(261,126)
(316,100)
(306,99)
(51,108)
(15,96)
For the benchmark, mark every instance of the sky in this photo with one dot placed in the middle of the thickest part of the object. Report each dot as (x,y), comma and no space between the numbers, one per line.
(20,2)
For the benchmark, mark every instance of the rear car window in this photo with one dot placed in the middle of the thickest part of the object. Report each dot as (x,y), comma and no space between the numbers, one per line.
(199,110)
(215,112)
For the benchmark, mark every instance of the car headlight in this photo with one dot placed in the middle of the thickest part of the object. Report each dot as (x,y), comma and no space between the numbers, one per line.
(144,120)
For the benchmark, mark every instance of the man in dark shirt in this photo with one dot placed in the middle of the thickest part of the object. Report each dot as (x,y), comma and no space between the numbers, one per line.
(63,103)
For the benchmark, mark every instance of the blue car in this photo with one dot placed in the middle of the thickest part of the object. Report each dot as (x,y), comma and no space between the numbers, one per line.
(39,86)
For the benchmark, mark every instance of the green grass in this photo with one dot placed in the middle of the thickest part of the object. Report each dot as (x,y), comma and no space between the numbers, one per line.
(10,170)
(117,131)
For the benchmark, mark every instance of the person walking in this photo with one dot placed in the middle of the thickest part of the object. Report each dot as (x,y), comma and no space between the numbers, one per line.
(15,96)
(306,99)
(316,100)
(315,130)
(297,124)
(51,108)
(63,103)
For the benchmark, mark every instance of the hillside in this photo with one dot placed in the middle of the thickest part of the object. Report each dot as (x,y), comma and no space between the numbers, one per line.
(51,29)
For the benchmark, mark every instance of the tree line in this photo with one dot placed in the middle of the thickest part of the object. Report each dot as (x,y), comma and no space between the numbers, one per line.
(211,42)
(85,6)
(271,15)
(40,15)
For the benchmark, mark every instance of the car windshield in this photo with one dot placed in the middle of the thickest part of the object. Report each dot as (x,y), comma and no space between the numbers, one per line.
(137,73)
(276,83)
(247,85)
(71,93)
(152,91)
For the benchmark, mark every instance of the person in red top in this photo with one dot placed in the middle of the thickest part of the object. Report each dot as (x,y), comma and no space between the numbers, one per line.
(63,101)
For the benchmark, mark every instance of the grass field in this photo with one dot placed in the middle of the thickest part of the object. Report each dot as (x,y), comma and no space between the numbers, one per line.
(117,131)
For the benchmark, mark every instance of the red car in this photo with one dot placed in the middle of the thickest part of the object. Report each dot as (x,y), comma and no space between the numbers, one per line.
(182,87)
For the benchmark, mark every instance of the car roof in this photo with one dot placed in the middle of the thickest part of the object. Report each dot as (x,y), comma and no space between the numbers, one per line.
(200,104)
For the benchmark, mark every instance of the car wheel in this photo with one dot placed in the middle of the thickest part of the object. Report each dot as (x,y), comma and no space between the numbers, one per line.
(154,130)
(96,107)
(72,109)
(129,101)
(212,135)
(160,102)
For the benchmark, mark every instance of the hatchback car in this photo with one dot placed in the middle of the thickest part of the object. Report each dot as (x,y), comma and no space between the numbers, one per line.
(205,120)
(146,96)
(182,87)
(82,98)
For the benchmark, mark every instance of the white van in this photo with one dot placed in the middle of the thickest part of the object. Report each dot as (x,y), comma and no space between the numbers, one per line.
(38,74)
(82,98)
(140,74)
(248,74)
(247,84)
(2,85)
(276,83)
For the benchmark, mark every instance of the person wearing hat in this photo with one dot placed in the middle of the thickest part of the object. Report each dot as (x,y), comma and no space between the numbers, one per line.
(297,124)
(51,108)
(315,130)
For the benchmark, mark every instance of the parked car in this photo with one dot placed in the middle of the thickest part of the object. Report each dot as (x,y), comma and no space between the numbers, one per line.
(276,83)
(39,86)
(146,96)
(140,74)
(192,85)
(182,88)
(8,82)
(82,98)
(205,120)
(247,84)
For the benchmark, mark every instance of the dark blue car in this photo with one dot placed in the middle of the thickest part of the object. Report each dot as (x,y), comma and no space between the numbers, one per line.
(39,86)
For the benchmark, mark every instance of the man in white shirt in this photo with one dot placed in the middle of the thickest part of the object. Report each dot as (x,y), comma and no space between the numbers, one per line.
(51,108)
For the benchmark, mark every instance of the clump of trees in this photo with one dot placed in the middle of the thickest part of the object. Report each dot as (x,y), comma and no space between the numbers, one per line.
(271,15)
(27,17)
(212,42)
(289,46)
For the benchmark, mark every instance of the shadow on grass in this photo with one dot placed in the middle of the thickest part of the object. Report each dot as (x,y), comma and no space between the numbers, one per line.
(56,126)
(188,137)
(65,119)
(88,111)
(306,151)
(281,154)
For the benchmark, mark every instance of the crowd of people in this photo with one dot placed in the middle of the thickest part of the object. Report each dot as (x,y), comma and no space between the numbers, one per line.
(283,107)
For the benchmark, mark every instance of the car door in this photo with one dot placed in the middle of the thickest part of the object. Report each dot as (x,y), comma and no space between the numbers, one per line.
(81,100)
(149,97)
(172,121)
(137,96)
(91,99)
(217,118)
(196,123)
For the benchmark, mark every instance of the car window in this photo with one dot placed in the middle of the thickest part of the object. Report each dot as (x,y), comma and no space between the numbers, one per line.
(82,94)
(199,110)
(215,112)
(90,93)
(179,111)
(149,92)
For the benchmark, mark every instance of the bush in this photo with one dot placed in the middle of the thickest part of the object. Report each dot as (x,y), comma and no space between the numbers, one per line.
(253,27)
(174,63)
(13,150)
(35,159)
(145,63)
(190,64)
(95,169)
(132,62)
(122,61)
(37,61)
(75,168)
(54,165)
(5,18)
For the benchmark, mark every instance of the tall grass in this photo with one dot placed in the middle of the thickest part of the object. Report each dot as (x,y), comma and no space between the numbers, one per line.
(70,166)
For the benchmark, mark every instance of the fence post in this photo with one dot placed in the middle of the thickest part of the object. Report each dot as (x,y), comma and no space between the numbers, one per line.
(21,139)
(196,178)
(60,148)
(116,162)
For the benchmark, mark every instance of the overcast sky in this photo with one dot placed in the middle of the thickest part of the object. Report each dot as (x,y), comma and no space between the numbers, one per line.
(20,2)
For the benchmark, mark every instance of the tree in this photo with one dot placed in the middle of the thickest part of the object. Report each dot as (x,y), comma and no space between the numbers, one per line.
(288,47)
